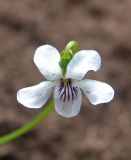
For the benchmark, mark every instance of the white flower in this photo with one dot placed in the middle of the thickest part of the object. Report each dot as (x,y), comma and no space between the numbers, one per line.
(67,90)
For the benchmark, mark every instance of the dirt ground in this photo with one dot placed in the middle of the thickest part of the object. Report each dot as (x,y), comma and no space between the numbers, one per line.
(97,133)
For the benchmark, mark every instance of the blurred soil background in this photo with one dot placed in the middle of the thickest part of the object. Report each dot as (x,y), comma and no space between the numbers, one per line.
(98,133)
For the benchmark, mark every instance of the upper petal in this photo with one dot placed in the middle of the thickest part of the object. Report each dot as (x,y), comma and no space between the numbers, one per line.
(67,100)
(97,92)
(82,62)
(47,60)
(35,96)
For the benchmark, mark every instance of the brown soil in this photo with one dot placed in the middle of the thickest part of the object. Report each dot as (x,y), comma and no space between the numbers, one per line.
(97,133)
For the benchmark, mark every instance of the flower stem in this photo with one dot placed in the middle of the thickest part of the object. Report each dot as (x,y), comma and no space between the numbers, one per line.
(25,129)
(72,46)
(67,54)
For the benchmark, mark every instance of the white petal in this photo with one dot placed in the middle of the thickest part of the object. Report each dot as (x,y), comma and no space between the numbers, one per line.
(69,107)
(35,96)
(97,92)
(82,62)
(47,60)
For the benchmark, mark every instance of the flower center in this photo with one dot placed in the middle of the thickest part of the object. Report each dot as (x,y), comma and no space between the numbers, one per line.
(67,91)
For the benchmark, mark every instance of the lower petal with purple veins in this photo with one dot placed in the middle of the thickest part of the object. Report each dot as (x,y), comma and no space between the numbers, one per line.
(67,98)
